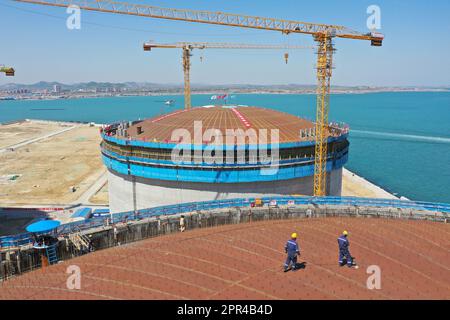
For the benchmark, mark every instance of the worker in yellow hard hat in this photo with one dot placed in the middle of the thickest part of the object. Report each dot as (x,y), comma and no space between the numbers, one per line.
(344,253)
(292,249)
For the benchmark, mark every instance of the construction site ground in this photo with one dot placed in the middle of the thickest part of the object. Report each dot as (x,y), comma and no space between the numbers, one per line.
(45,170)
(15,133)
(101,197)
(13,226)
(245,261)
(356,186)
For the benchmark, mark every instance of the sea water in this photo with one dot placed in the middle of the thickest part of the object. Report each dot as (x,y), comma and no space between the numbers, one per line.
(398,140)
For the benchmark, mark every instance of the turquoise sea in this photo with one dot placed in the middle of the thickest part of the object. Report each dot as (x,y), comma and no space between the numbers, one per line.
(399,141)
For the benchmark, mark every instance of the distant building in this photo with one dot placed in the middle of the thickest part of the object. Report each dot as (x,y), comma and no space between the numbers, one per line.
(56,88)
(18,91)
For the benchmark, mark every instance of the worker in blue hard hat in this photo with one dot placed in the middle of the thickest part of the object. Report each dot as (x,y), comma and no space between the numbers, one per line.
(344,253)
(292,249)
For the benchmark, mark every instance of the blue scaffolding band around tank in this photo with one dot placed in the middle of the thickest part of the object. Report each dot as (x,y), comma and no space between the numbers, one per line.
(169,145)
(221,164)
(218,176)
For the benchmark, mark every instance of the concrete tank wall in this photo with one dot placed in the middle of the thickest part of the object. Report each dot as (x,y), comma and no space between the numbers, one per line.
(127,193)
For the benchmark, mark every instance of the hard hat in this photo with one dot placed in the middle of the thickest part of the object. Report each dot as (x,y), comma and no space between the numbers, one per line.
(345,233)
(294,235)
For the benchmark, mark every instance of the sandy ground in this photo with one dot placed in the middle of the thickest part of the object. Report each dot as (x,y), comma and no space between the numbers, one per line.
(48,168)
(101,197)
(15,133)
(356,186)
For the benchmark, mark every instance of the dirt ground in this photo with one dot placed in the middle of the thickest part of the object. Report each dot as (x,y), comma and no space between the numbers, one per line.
(101,197)
(48,168)
(355,186)
(15,133)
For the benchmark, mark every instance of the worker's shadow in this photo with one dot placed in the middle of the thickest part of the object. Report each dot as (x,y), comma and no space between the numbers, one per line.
(300,265)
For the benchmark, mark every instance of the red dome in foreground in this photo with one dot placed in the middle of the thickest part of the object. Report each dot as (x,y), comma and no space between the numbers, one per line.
(245,261)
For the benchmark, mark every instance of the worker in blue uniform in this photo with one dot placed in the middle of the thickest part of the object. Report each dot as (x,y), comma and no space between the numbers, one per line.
(344,252)
(292,251)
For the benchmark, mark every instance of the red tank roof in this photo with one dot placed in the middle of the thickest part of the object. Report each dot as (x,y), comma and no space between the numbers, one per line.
(160,128)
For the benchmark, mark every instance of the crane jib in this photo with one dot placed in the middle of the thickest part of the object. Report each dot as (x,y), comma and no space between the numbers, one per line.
(220,18)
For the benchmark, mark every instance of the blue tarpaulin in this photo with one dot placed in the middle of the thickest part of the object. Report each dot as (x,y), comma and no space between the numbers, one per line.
(82,213)
(101,211)
(43,226)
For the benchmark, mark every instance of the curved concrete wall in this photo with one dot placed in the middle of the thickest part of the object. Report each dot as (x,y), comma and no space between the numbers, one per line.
(128,193)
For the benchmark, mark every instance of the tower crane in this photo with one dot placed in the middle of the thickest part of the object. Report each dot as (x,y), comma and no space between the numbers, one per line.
(187,48)
(323,35)
(9,72)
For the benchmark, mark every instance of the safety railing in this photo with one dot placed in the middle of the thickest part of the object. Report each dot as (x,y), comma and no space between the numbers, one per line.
(95,222)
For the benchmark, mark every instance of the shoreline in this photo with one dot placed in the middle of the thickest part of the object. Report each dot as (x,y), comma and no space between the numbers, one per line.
(209,92)
(367,185)
(61,123)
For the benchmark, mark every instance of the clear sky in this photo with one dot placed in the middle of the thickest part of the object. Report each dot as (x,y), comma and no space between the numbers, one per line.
(416,50)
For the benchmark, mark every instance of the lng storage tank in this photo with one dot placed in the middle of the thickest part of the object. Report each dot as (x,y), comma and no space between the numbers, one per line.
(216,152)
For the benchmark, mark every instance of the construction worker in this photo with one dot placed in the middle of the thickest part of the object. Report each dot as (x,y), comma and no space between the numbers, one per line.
(182,224)
(344,253)
(292,251)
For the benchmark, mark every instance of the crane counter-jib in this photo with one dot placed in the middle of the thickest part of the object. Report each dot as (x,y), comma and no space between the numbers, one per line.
(7,70)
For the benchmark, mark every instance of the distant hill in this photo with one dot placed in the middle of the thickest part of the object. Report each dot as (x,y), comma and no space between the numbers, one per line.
(42,85)
(148,86)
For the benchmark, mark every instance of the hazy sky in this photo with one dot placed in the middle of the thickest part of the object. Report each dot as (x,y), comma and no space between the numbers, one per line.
(416,50)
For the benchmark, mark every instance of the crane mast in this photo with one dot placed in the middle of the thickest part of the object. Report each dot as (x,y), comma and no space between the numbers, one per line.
(187,77)
(323,35)
(324,70)
(187,48)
